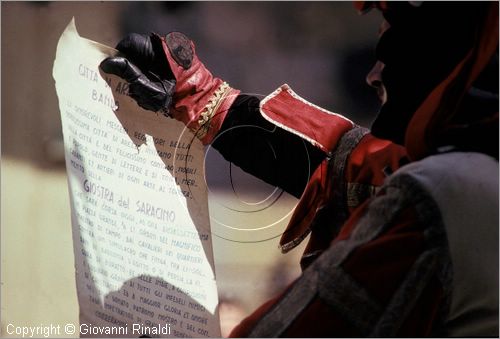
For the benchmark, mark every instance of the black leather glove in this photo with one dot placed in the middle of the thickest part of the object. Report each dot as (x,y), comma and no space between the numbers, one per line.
(142,64)
(165,74)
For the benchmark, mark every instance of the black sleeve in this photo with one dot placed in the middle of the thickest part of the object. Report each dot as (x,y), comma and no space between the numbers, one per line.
(264,150)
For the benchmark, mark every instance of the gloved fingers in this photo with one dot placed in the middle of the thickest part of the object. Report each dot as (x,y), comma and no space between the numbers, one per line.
(121,67)
(138,48)
(151,95)
(146,52)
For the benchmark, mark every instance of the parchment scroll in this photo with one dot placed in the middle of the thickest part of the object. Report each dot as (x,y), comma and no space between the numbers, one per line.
(141,230)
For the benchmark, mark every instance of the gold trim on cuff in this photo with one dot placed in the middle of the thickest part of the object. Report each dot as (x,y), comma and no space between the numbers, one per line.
(210,109)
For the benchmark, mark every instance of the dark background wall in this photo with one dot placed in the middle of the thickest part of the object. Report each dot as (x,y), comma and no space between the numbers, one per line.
(322,49)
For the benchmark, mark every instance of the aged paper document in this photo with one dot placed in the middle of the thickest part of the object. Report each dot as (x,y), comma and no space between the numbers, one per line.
(141,230)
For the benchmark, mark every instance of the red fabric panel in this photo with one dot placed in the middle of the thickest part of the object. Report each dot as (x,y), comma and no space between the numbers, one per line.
(381,264)
(289,111)
(246,325)
(368,160)
(319,321)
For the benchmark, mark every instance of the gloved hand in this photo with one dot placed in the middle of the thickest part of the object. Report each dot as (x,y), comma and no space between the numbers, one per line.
(151,83)
(166,75)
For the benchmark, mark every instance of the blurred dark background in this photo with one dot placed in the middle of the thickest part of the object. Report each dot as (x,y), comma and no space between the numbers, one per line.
(323,50)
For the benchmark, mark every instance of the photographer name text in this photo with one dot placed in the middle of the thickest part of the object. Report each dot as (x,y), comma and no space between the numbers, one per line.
(86,329)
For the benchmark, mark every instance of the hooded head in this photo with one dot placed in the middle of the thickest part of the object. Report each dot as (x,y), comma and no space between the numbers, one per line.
(439,75)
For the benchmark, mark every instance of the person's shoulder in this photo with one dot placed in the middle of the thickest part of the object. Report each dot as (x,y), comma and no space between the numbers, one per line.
(461,161)
(452,169)
(460,187)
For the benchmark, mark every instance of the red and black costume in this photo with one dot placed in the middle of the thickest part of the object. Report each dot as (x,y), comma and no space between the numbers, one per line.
(404,234)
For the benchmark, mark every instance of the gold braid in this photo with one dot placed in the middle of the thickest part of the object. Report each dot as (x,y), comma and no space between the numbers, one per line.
(210,109)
